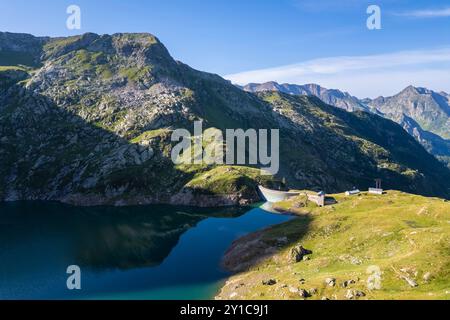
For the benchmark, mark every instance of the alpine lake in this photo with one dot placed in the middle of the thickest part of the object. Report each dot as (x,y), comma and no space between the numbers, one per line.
(140,253)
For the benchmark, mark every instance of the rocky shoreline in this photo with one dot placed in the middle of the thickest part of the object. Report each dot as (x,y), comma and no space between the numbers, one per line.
(180,199)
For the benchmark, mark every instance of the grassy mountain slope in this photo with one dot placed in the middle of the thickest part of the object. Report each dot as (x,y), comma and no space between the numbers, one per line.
(405,237)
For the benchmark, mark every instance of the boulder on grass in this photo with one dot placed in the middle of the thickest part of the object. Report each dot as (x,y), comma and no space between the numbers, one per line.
(298,253)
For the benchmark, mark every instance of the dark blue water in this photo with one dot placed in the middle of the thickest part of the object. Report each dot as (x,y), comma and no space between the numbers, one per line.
(152,252)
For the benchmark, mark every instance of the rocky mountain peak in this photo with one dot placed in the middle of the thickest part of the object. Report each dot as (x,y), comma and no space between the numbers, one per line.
(28,50)
(412,90)
(134,45)
(431,110)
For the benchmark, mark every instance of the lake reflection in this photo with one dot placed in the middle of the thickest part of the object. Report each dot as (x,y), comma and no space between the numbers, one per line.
(149,252)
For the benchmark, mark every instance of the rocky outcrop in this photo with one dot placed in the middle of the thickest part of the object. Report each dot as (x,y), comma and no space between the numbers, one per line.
(298,253)
(331,282)
(354,294)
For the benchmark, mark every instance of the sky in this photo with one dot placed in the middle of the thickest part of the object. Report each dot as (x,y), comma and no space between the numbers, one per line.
(295,41)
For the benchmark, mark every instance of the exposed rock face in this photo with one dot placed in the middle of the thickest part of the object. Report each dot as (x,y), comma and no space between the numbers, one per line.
(88,120)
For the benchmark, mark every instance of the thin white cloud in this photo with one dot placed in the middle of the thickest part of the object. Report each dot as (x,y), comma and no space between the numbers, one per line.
(371,75)
(428,13)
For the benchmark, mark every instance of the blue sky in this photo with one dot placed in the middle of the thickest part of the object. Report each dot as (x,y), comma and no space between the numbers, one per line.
(299,41)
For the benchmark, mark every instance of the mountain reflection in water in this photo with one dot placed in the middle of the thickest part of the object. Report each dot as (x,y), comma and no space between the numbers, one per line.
(119,250)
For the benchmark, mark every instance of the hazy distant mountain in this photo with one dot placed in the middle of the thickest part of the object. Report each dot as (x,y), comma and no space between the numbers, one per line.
(421,112)
(332,97)
(431,110)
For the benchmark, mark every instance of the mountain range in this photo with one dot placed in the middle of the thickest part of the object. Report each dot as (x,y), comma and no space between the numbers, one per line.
(423,113)
(332,97)
(88,119)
